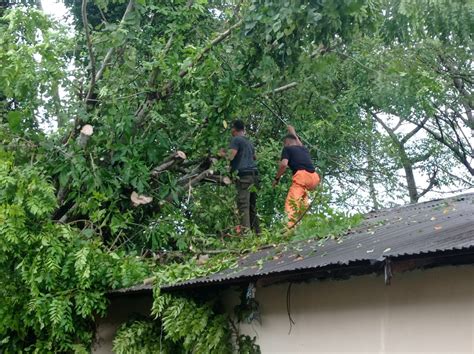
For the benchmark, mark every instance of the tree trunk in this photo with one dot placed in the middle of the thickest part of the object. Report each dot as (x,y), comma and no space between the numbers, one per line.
(410,177)
(370,173)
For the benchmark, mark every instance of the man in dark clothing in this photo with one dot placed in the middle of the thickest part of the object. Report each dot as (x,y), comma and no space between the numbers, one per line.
(296,156)
(241,155)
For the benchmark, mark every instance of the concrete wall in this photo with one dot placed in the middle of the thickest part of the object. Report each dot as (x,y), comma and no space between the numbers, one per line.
(120,310)
(428,311)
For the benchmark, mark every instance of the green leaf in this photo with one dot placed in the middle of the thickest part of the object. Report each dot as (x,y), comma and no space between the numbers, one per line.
(14,121)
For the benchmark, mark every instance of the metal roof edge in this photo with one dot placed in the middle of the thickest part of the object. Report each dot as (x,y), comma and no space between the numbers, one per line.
(455,256)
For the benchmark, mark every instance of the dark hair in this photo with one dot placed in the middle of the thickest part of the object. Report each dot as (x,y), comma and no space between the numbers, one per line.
(290,137)
(238,125)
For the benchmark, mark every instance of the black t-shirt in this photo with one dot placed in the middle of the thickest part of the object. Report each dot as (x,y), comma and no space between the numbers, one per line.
(298,158)
(243,161)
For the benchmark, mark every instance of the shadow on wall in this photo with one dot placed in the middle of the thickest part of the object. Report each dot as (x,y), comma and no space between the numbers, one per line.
(120,310)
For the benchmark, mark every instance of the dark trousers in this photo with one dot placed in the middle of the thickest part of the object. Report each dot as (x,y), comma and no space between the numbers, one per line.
(247,202)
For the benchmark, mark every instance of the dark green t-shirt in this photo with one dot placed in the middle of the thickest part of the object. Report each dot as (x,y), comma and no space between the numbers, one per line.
(243,161)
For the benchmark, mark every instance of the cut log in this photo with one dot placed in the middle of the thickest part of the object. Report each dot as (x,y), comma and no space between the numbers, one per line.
(190,181)
(148,281)
(200,177)
(282,88)
(202,259)
(218,179)
(174,159)
(86,132)
(138,199)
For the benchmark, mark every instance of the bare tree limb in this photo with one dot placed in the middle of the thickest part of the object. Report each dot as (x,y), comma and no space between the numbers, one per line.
(102,15)
(414,131)
(191,181)
(389,130)
(440,138)
(430,185)
(399,123)
(405,160)
(218,179)
(282,88)
(173,160)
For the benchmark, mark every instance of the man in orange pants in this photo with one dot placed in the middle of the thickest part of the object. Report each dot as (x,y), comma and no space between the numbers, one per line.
(296,156)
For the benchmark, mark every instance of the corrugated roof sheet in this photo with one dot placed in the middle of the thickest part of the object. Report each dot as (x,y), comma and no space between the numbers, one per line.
(424,228)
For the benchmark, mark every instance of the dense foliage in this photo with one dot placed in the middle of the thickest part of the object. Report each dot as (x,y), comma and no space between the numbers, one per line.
(110,131)
(53,276)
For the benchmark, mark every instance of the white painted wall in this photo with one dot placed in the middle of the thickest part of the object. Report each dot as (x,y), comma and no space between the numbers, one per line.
(428,311)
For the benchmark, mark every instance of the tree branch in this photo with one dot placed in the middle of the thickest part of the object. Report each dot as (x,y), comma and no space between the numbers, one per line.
(414,131)
(213,43)
(173,160)
(191,181)
(461,157)
(282,88)
(420,158)
(110,52)
(85,22)
(167,89)
(389,130)
(218,179)
(431,184)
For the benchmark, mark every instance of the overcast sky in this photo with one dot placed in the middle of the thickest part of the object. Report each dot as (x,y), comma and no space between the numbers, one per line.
(54,8)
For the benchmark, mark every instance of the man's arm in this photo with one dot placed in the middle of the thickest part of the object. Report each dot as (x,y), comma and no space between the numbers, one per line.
(282,166)
(292,131)
(228,154)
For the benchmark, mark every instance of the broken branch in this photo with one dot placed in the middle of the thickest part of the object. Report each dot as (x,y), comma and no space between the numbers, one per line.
(174,159)
(139,199)
(86,132)
(282,88)
(218,179)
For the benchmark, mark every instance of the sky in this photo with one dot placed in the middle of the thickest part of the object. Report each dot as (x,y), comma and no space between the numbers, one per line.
(55,9)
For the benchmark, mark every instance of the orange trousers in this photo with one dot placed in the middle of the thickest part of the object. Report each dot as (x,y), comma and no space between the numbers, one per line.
(297,198)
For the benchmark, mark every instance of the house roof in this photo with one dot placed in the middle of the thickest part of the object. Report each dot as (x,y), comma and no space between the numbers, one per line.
(434,227)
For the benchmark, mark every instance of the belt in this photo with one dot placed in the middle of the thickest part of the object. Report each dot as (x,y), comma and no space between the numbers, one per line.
(304,169)
(248,173)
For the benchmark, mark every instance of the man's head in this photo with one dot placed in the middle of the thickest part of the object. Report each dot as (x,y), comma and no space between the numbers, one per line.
(290,140)
(238,128)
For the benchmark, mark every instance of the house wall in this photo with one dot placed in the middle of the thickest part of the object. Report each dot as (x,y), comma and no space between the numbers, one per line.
(429,311)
